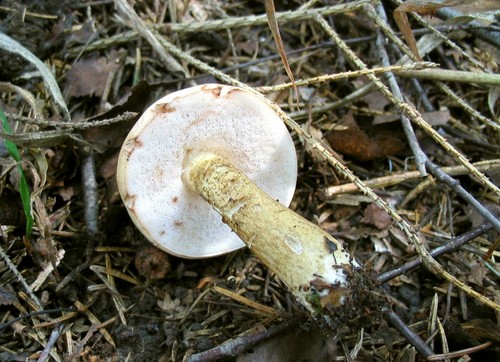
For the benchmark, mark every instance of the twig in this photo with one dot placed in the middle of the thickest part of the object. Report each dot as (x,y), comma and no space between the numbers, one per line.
(350,98)
(420,156)
(467,108)
(73,125)
(421,159)
(491,37)
(343,75)
(30,13)
(90,195)
(451,75)
(56,332)
(255,20)
(460,191)
(234,347)
(100,326)
(435,31)
(404,71)
(219,24)
(417,118)
(451,245)
(32,314)
(394,179)
(410,336)
(460,353)
(205,68)
(241,299)
(442,86)
(135,21)
(20,278)
(117,298)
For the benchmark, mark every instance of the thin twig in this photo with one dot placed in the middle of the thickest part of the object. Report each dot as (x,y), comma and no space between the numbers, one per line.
(56,332)
(135,22)
(491,37)
(410,336)
(117,298)
(90,195)
(409,56)
(460,191)
(255,20)
(415,116)
(73,125)
(451,245)
(32,314)
(446,40)
(451,76)
(219,24)
(345,101)
(20,278)
(420,156)
(343,75)
(397,178)
(467,108)
(460,353)
(234,347)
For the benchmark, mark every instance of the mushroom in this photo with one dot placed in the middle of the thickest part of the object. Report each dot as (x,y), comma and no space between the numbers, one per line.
(228,146)
(215,119)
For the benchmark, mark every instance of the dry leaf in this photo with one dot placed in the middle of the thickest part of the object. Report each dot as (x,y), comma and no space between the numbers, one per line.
(419,7)
(437,118)
(89,77)
(356,143)
(7,297)
(493,95)
(374,215)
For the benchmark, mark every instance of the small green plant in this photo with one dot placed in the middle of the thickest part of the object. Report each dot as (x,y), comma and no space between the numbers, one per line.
(23,184)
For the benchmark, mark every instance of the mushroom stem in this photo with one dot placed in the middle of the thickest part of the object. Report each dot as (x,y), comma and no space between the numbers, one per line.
(309,261)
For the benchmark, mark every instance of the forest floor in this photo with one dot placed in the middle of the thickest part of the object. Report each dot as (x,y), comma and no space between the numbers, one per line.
(78,281)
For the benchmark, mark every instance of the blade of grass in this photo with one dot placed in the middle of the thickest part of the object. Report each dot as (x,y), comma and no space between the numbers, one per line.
(23,183)
(10,45)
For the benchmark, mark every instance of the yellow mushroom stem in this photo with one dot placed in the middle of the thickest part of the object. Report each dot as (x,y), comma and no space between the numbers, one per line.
(309,261)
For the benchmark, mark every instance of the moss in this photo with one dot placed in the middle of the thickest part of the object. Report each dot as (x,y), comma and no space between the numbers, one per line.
(313,298)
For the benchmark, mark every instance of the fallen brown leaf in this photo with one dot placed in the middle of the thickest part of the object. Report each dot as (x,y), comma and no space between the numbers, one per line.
(374,215)
(356,143)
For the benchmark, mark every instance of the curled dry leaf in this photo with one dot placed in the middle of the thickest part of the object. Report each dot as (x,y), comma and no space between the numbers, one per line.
(356,143)
(419,7)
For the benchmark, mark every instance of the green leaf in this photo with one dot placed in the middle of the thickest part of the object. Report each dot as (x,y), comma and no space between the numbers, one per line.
(23,184)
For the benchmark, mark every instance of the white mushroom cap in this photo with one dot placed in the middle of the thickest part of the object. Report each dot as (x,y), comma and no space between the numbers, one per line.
(227,121)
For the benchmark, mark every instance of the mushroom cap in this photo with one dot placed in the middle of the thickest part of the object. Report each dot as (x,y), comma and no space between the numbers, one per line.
(227,121)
